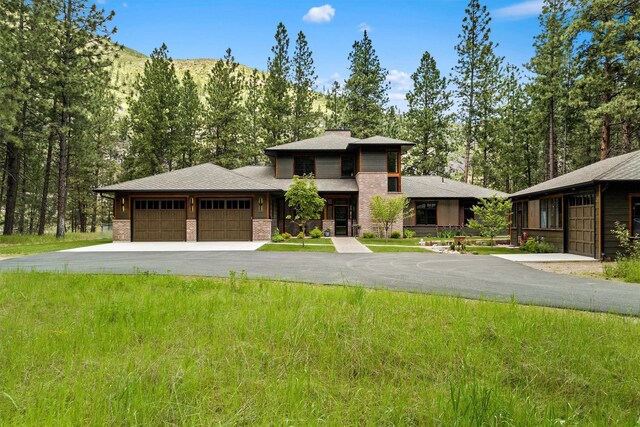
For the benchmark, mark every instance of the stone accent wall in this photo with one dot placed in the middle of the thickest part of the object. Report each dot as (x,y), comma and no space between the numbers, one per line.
(261,229)
(121,230)
(370,184)
(192,230)
(328,224)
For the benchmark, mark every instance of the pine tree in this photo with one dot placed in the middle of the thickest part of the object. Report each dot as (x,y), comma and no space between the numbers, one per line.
(224,113)
(428,120)
(472,49)
(189,122)
(153,113)
(304,121)
(365,90)
(253,132)
(335,107)
(277,105)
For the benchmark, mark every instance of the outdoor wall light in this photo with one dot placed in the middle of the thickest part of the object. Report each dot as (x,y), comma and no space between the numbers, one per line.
(260,203)
(192,204)
(122,204)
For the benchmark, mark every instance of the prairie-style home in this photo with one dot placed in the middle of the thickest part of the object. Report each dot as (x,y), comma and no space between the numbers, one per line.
(210,203)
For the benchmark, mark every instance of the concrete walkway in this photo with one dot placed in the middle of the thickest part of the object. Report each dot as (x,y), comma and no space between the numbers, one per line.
(349,245)
(546,258)
(170,247)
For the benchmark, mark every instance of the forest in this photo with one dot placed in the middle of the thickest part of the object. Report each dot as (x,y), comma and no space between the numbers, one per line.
(70,121)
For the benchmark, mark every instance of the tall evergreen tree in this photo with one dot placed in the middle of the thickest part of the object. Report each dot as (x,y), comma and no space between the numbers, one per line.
(253,132)
(335,107)
(304,120)
(365,90)
(474,45)
(428,120)
(189,122)
(153,114)
(224,113)
(276,106)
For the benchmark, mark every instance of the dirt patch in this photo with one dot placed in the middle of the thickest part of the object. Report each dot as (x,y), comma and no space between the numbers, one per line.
(590,269)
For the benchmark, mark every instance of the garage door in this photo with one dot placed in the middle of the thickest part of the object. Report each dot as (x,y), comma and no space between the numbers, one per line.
(159,220)
(224,219)
(581,225)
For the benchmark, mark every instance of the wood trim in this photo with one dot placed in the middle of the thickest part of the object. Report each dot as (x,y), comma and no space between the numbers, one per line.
(415,210)
(276,167)
(360,162)
(268,206)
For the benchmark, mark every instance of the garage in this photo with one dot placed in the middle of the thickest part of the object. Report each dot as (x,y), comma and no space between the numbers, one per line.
(159,220)
(581,230)
(224,219)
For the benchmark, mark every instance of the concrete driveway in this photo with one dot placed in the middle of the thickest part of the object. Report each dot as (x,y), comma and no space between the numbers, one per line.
(483,277)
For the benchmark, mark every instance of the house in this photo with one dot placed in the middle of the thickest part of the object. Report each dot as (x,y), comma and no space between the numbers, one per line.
(208,203)
(576,212)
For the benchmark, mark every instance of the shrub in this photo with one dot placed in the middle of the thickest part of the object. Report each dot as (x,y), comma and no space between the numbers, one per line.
(277,238)
(408,234)
(316,233)
(536,247)
(396,235)
(626,269)
(368,235)
(630,248)
(300,235)
(286,236)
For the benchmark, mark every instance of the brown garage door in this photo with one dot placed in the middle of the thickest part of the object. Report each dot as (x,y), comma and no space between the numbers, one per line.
(159,220)
(224,219)
(581,225)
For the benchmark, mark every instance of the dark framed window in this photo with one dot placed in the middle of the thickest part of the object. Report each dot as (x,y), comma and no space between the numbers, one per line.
(427,213)
(635,216)
(551,213)
(244,204)
(392,184)
(467,212)
(347,166)
(392,161)
(304,165)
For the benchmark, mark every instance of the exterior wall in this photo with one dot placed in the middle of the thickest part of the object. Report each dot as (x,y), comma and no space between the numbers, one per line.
(261,229)
(121,210)
(329,224)
(327,167)
(374,160)
(192,230)
(370,184)
(121,230)
(257,212)
(534,214)
(284,166)
(615,207)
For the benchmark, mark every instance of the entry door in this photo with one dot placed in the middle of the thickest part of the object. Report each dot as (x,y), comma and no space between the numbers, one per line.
(341,218)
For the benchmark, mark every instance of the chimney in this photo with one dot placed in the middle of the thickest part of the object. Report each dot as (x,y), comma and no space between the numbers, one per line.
(341,132)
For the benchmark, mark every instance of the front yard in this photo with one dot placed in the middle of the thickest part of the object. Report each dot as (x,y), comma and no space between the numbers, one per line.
(413,245)
(80,349)
(322,244)
(29,244)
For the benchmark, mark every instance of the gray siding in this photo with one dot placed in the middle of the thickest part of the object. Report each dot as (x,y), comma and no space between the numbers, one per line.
(285,167)
(327,167)
(374,160)
(615,206)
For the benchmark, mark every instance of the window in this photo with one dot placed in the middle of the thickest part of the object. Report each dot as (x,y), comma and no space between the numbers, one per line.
(635,216)
(232,204)
(427,213)
(244,204)
(347,167)
(392,184)
(467,213)
(392,161)
(304,165)
(551,213)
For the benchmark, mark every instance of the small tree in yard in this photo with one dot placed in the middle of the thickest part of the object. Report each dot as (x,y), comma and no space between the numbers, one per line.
(491,216)
(387,210)
(302,196)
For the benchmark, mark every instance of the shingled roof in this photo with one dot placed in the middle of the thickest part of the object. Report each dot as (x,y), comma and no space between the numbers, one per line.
(204,177)
(436,187)
(625,167)
(336,142)
(266,174)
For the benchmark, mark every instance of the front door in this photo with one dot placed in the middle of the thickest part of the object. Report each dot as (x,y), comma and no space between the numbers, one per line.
(341,218)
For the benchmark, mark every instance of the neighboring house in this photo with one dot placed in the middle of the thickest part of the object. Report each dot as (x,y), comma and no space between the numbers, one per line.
(208,202)
(577,211)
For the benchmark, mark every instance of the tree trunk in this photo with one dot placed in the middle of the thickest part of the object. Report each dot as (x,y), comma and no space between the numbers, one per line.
(23,196)
(627,133)
(63,149)
(553,165)
(42,218)
(13,175)
(605,143)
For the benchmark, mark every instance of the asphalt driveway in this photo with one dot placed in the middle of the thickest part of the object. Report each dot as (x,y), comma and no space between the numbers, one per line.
(483,277)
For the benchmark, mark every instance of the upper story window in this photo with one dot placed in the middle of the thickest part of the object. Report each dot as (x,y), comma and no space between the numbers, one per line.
(551,213)
(347,166)
(427,213)
(304,165)
(393,158)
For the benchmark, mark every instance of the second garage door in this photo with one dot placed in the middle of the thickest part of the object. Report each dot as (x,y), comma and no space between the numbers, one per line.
(581,225)
(224,219)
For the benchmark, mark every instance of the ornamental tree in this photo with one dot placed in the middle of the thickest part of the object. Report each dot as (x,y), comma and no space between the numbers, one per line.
(387,210)
(491,216)
(302,196)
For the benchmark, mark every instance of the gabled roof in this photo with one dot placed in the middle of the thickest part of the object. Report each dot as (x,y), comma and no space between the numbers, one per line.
(625,167)
(436,187)
(319,143)
(204,177)
(266,174)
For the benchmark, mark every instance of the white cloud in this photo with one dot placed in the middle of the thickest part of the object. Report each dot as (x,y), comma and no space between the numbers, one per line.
(525,9)
(125,5)
(335,77)
(319,14)
(364,27)
(400,80)
(394,96)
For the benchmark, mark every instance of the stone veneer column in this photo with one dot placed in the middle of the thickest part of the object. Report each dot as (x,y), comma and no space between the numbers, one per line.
(121,230)
(370,184)
(261,229)
(330,225)
(192,230)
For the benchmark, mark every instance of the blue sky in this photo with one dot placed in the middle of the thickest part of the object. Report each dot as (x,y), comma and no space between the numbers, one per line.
(401,31)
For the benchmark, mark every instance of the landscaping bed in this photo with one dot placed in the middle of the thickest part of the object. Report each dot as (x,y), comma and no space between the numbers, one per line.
(81,349)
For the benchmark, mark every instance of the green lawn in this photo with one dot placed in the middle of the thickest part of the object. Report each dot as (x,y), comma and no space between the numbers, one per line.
(159,350)
(295,245)
(404,242)
(29,244)
(397,248)
(490,250)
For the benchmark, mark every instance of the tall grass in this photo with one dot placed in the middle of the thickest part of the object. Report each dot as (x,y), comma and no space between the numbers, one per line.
(627,269)
(105,349)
